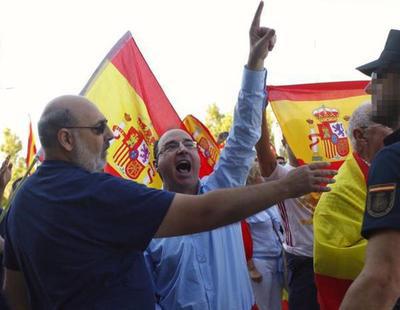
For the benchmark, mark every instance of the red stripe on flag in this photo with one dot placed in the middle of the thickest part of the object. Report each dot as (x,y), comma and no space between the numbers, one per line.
(331,291)
(31,152)
(127,60)
(317,91)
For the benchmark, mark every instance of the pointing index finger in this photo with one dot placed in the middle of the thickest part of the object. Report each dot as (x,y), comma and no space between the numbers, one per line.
(257,16)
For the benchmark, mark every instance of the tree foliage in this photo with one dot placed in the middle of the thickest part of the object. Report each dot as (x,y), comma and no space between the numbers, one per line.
(218,122)
(12,146)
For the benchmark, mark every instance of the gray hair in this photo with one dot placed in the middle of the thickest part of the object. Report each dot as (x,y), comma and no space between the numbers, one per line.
(361,117)
(51,121)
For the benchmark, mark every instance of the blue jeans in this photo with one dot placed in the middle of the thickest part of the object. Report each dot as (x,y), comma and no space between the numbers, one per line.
(302,289)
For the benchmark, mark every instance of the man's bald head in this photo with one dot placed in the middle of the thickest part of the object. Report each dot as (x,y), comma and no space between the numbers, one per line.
(61,112)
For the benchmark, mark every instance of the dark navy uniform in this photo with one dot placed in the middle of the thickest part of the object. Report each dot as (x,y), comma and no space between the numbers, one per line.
(383,199)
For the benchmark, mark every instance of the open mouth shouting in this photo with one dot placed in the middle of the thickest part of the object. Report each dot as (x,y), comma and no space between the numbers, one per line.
(183,167)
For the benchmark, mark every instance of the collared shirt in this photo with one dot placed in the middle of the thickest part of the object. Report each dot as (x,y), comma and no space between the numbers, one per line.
(382,209)
(208,270)
(265,230)
(79,237)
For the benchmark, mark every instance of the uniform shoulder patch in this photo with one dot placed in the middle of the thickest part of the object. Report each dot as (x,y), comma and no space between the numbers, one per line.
(380,199)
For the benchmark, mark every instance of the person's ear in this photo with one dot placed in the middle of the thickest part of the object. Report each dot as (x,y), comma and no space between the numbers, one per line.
(358,135)
(65,139)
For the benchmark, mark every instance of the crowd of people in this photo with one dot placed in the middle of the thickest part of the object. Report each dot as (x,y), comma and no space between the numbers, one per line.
(78,238)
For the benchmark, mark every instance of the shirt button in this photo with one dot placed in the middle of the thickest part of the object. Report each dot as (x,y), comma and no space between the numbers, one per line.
(201,258)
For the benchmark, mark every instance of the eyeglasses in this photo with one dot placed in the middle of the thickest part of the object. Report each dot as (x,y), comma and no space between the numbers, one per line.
(172,146)
(97,130)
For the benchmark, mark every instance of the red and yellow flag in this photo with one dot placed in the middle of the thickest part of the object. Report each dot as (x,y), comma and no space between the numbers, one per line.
(314,118)
(137,109)
(31,148)
(208,147)
(339,248)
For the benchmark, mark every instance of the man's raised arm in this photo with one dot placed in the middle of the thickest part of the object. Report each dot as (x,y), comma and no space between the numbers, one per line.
(266,158)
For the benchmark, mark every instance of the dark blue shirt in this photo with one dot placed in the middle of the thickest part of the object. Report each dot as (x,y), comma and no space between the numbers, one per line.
(382,209)
(78,238)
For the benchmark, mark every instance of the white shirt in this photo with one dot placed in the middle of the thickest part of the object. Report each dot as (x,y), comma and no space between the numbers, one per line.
(296,214)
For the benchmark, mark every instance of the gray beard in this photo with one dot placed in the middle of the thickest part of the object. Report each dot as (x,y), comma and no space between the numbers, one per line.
(88,161)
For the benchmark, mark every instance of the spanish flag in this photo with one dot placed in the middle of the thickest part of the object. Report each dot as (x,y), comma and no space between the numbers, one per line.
(31,148)
(208,148)
(339,248)
(314,118)
(137,109)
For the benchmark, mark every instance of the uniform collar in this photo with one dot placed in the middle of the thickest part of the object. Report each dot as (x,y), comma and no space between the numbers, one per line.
(392,138)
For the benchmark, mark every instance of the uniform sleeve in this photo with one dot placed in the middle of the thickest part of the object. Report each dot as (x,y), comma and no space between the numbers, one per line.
(238,154)
(382,210)
(125,213)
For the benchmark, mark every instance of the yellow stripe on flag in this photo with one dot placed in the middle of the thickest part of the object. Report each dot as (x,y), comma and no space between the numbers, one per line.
(132,129)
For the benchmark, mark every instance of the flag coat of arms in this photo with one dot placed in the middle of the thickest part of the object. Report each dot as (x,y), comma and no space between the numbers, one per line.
(314,118)
(137,109)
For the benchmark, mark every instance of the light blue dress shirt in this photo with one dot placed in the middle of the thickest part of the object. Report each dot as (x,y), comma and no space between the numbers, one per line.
(265,232)
(208,270)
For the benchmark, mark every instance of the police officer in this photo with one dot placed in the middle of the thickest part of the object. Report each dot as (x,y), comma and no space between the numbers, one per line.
(378,285)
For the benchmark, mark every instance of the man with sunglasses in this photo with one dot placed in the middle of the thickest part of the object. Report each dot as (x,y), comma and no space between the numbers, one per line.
(378,285)
(208,270)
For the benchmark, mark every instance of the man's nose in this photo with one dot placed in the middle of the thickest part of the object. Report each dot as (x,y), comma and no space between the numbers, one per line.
(182,147)
(108,134)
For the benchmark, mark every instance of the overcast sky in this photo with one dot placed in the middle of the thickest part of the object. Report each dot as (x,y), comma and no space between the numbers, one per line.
(196,49)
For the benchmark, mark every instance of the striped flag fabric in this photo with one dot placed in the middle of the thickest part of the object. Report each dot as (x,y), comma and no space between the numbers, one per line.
(314,118)
(138,111)
(31,147)
(209,150)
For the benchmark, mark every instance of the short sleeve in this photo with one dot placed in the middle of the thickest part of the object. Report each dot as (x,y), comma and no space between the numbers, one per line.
(124,212)
(382,210)
(9,259)
(278,173)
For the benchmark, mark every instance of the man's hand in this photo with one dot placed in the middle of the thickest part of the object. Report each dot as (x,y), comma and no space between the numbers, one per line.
(5,174)
(309,178)
(262,40)
(254,274)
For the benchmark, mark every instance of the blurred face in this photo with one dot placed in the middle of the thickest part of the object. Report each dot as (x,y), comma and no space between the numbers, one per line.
(385,91)
(178,162)
(91,144)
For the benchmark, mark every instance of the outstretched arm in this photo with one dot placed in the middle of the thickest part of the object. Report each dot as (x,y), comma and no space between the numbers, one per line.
(195,213)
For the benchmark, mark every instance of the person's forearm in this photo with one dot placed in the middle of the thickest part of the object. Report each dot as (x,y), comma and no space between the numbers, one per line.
(369,293)
(191,214)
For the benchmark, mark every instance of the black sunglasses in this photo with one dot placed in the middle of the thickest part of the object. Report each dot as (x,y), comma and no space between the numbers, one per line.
(97,130)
